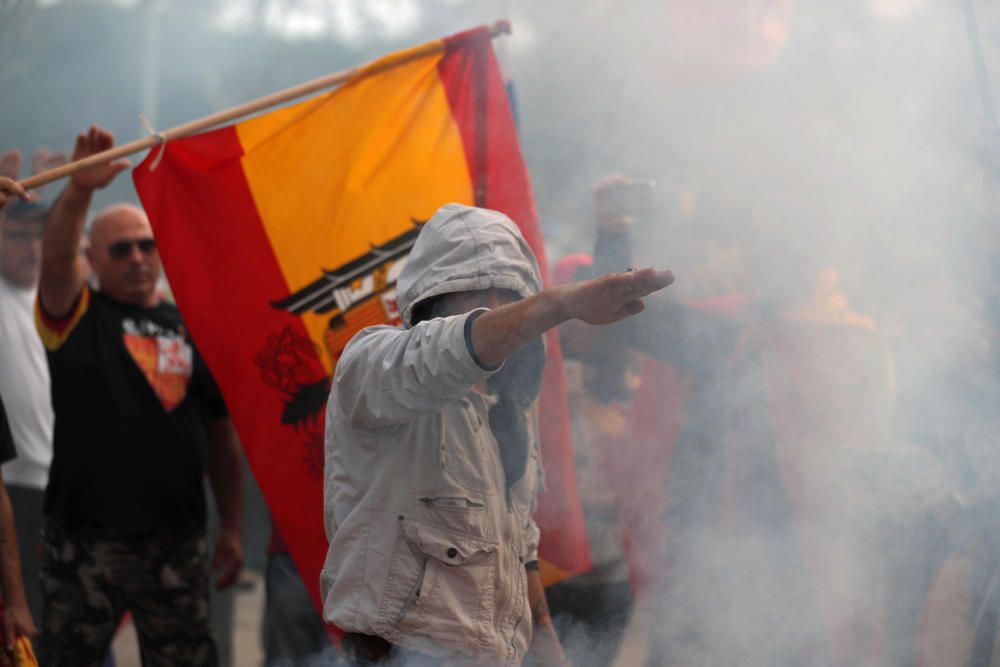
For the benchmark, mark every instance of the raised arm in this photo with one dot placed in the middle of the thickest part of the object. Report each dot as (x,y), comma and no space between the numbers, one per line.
(62,266)
(613,239)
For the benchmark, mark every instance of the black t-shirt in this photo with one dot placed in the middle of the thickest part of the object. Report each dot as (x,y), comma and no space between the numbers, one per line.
(7,451)
(132,401)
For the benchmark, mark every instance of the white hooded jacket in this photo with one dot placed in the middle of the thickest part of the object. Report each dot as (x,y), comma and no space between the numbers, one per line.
(426,548)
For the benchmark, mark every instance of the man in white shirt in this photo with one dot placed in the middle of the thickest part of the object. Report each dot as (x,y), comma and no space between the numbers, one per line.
(24,382)
(17,618)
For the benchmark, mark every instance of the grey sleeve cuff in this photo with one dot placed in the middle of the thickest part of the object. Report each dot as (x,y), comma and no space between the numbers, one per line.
(468,340)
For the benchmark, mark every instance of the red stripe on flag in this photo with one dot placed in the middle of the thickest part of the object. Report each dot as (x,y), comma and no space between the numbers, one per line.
(223,272)
(495,159)
(480,107)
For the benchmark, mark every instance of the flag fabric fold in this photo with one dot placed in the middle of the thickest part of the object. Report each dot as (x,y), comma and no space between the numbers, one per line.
(282,236)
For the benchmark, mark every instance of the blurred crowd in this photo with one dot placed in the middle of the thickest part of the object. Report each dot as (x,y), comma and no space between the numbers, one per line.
(764,465)
(765,479)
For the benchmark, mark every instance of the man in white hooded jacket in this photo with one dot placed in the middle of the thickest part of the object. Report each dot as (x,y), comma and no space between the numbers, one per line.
(432,459)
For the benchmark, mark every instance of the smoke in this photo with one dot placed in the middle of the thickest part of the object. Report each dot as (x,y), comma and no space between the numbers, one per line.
(810,156)
(831,172)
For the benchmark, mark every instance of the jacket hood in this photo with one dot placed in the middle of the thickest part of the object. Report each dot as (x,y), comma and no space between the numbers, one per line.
(464,249)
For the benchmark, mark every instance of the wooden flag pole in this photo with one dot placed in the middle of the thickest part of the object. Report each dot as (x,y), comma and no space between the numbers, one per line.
(496,29)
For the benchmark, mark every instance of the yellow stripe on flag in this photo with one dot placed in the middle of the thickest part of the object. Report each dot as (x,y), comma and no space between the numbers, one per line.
(354,152)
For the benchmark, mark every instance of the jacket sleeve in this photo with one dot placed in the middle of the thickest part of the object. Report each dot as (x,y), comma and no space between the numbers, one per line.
(387,375)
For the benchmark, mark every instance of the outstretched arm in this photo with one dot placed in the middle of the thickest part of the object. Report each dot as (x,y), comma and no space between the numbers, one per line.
(62,266)
(386,375)
(498,333)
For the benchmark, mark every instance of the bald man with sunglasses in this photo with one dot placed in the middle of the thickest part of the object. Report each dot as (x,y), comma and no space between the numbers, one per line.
(139,421)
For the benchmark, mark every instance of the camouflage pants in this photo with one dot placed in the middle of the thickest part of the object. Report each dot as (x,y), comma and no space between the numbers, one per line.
(89,584)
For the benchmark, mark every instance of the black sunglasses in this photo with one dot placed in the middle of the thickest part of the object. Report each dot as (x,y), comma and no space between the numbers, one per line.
(123,248)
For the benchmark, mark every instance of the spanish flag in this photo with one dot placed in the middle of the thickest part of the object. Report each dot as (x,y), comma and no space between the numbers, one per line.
(283,235)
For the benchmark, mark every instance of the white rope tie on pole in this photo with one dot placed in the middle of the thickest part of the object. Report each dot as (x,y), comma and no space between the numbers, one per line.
(162,141)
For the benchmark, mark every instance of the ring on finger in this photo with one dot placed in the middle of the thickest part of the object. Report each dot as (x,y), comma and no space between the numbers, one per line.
(629,288)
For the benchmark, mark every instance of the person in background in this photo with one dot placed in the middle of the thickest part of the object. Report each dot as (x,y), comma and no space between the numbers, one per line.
(950,599)
(24,383)
(591,610)
(292,631)
(17,619)
(138,421)
(656,381)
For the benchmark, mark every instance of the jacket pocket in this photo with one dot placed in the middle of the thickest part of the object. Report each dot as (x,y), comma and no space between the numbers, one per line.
(452,606)
(454,512)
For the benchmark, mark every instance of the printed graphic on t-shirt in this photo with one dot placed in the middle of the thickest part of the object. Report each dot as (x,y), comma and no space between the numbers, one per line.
(164,356)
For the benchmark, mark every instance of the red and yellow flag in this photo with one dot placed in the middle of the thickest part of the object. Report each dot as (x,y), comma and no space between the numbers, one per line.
(283,235)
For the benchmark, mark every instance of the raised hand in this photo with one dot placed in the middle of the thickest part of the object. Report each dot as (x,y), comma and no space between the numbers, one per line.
(609,201)
(10,164)
(617,199)
(612,297)
(45,160)
(94,141)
